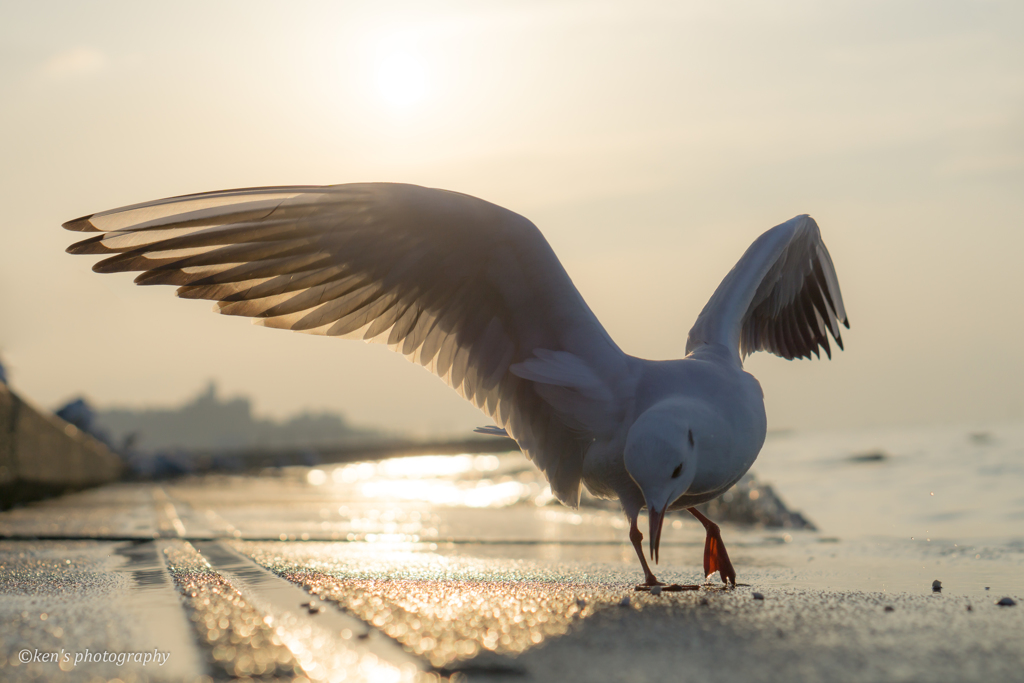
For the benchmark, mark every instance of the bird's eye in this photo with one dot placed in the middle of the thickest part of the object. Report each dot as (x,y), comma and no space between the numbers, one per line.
(677,471)
(689,433)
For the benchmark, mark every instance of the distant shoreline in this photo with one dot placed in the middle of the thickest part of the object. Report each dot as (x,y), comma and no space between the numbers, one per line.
(379,450)
(254,459)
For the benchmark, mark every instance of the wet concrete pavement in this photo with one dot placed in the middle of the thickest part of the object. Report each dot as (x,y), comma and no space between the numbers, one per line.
(457,568)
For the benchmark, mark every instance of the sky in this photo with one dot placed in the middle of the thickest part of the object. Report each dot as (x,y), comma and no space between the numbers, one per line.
(650,142)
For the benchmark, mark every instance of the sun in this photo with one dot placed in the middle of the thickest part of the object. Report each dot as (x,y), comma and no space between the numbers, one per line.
(402,79)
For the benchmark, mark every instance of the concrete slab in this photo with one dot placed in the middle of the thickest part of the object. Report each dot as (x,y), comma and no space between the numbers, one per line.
(454,578)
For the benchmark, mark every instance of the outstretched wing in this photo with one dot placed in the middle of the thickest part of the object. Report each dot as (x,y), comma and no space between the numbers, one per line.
(466,288)
(782,296)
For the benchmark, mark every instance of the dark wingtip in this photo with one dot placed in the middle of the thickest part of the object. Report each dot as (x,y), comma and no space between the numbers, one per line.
(77,247)
(114,264)
(846,322)
(83,224)
(88,246)
(156,276)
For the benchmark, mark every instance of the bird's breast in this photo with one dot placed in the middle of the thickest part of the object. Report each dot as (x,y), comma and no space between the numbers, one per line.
(718,470)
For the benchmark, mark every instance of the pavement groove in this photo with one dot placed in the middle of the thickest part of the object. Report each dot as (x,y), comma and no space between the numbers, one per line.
(236,638)
(251,628)
(278,596)
(169,525)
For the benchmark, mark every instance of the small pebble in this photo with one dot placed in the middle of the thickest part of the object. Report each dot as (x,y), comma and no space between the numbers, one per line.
(624,602)
(969,608)
(704,601)
(890,608)
(986,587)
(313,607)
(655,590)
(936,586)
(758,596)
(581,603)
(1007,602)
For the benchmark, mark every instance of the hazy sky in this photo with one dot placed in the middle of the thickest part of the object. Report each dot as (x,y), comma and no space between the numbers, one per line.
(650,142)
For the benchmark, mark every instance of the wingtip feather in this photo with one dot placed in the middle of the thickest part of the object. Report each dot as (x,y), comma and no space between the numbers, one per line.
(83,224)
(91,246)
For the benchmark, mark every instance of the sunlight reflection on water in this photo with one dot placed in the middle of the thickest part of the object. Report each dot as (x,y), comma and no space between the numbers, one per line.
(414,467)
(482,494)
(454,481)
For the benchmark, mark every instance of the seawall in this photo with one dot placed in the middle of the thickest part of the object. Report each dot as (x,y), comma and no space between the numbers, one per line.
(41,455)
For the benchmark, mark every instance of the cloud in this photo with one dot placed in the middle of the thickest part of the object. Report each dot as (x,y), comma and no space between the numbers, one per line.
(73,63)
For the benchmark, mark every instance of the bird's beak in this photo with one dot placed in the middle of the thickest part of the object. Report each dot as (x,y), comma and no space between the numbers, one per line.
(657,519)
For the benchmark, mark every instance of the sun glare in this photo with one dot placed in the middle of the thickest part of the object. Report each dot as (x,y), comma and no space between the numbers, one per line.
(402,79)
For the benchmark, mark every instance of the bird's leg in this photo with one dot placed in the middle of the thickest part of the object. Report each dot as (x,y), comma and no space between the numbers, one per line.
(715,556)
(636,538)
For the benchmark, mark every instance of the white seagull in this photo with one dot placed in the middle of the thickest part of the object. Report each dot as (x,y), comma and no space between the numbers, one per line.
(474,293)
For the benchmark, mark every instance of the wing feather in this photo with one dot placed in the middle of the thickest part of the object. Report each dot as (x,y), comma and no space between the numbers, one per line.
(456,284)
(782,297)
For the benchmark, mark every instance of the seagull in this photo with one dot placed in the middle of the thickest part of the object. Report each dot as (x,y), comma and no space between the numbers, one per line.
(474,293)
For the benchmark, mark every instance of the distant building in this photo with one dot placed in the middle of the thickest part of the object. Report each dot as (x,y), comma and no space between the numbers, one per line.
(211,423)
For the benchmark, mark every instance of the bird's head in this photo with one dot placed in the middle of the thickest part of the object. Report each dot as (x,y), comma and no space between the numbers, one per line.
(663,449)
